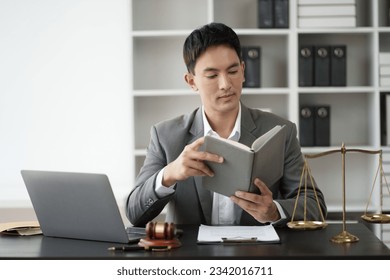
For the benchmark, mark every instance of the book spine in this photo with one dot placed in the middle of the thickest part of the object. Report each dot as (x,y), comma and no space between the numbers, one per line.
(329,22)
(265,14)
(384,58)
(326,10)
(384,81)
(384,70)
(326,2)
(281,13)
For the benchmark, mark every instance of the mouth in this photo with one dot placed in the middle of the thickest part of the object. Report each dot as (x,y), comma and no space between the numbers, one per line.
(226,96)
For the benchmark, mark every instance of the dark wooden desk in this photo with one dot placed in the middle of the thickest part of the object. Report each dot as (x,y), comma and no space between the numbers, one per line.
(294,245)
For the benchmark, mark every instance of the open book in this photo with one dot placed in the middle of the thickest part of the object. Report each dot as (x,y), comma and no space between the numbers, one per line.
(242,164)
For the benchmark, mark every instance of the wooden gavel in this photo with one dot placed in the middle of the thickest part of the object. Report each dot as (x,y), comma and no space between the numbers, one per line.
(160,235)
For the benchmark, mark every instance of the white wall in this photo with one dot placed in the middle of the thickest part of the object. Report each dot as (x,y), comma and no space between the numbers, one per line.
(64,91)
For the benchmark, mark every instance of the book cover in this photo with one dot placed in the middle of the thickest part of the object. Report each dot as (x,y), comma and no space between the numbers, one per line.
(242,164)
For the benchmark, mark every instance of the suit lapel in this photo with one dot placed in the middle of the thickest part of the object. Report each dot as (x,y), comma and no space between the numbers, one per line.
(204,195)
(247,126)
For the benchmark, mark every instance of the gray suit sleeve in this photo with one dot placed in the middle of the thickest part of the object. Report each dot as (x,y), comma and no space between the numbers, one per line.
(143,203)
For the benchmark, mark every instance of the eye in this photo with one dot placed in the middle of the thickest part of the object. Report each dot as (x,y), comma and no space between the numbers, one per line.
(212,76)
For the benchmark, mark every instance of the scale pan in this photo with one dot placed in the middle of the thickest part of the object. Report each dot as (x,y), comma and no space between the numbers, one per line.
(377,218)
(311,225)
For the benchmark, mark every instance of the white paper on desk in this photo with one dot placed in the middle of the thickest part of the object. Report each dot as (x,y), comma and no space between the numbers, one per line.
(215,234)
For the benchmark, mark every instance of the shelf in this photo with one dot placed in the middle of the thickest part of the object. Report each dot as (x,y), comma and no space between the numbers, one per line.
(159,91)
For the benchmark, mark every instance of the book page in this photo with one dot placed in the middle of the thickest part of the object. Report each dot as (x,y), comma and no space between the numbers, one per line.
(231,142)
(259,142)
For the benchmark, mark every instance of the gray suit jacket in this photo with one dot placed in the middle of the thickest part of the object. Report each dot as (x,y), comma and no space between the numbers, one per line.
(191,203)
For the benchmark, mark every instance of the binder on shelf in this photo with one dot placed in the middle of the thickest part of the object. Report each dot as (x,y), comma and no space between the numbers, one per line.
(281,13)
(384,105)
(338,65)
(306,66)
(387,120)
(306,126)
(321,66)
(322,126)
(251,57)
(265,13)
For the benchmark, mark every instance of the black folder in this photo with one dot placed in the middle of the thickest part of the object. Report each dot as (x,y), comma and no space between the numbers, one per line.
(321,66)
(306,66)
(265,13)
(338,65)
(281,13)
(322,126)
(251,58)
(306,126)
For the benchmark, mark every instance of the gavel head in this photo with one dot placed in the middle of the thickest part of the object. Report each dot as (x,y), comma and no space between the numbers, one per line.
(160,230)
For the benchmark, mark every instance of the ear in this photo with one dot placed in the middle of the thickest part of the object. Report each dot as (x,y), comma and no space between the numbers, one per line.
(189,78)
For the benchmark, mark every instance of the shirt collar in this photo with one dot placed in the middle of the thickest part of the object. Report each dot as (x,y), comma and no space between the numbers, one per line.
(234,135)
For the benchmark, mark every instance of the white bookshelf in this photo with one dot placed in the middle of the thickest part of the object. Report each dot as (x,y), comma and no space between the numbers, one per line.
(159,28)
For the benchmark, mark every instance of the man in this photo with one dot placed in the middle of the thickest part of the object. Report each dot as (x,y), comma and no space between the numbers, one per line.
(175,162)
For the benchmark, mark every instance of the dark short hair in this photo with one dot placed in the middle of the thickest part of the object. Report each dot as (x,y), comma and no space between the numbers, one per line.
(212,34)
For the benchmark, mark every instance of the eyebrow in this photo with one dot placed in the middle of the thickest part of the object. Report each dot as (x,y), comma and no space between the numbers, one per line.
(211,69)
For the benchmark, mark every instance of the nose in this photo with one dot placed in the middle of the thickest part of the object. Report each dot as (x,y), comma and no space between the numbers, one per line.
(224,82)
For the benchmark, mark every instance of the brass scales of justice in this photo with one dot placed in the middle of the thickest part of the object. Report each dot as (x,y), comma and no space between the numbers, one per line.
(344,236)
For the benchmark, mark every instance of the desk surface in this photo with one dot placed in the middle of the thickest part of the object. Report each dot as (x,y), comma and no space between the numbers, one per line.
(294,244)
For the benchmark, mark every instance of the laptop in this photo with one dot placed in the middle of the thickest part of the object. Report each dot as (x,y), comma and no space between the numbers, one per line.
(77,205)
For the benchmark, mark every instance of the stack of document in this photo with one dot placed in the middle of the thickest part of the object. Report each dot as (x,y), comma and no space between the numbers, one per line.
(326,13)
(384,69)
(237,234)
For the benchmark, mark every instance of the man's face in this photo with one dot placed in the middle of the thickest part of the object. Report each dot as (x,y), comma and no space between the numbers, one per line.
(219,76)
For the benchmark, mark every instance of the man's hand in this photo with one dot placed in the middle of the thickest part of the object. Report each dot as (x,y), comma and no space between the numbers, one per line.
(189,163)
(259,206)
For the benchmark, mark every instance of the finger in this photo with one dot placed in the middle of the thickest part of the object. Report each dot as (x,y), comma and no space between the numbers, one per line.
(246,205)
(202,168)
(197,143)
(200,155)
(264,190)
(205,156)
(247,196)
